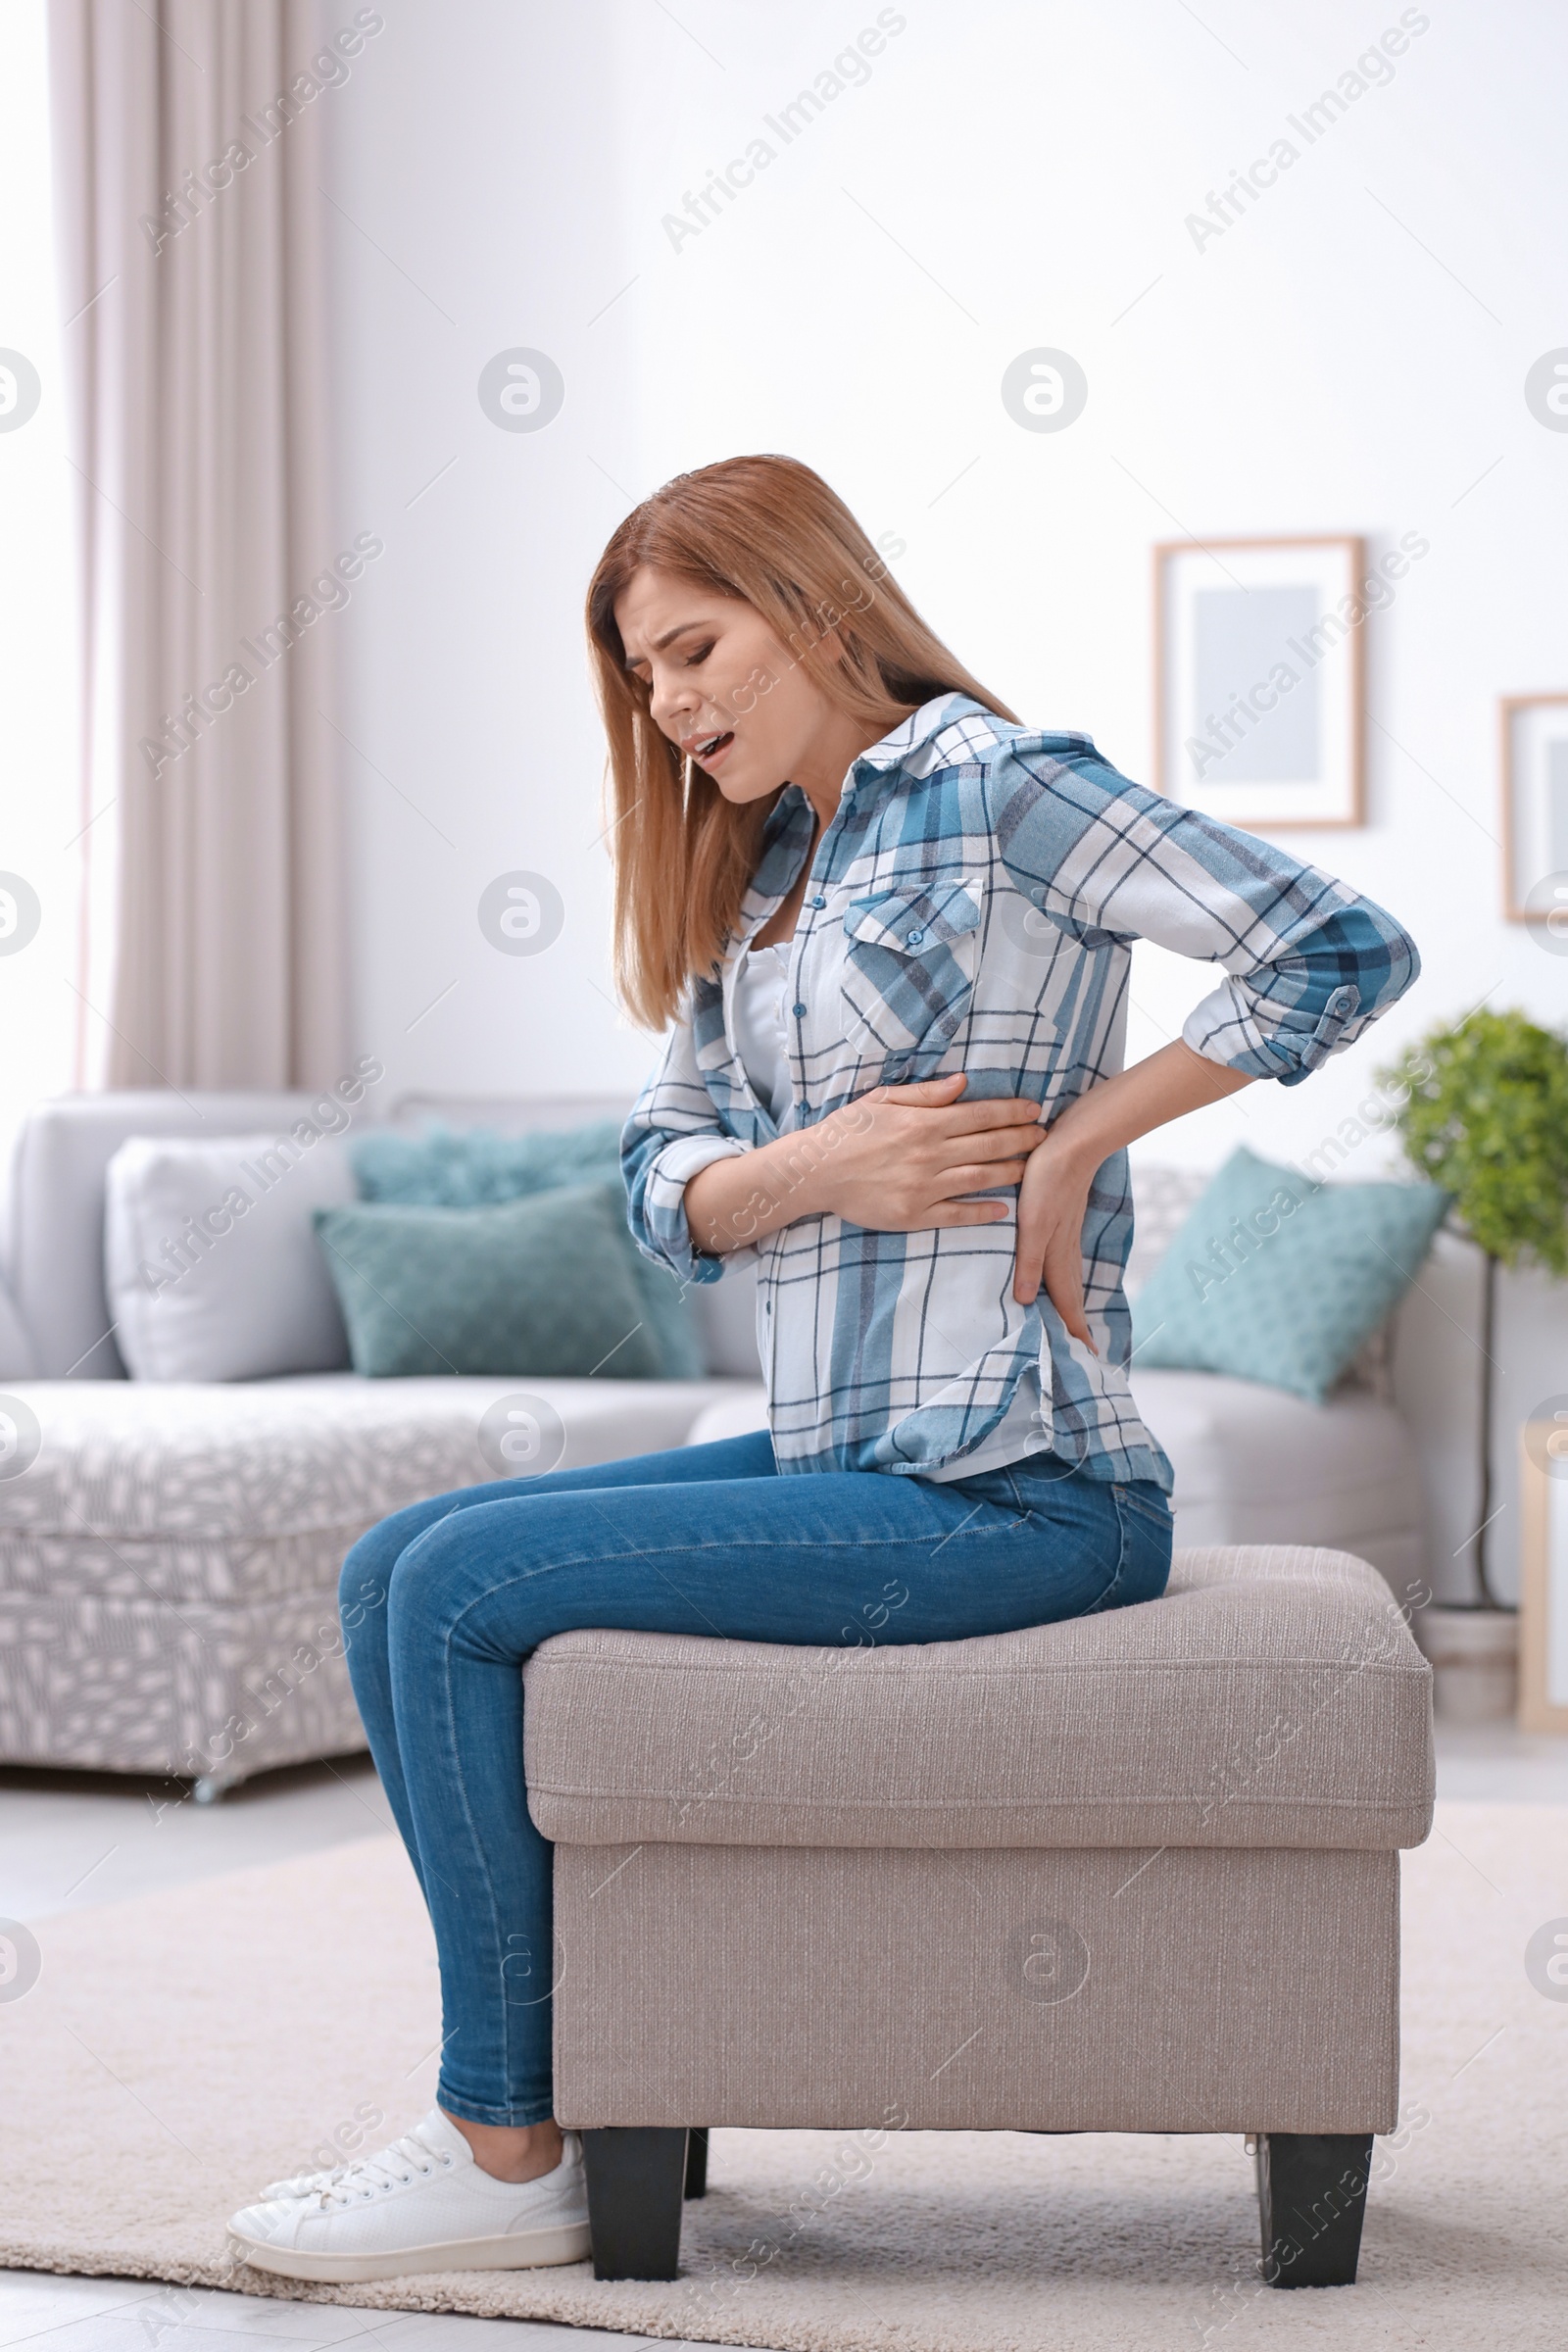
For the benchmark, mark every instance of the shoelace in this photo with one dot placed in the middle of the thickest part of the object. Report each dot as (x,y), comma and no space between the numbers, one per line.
(306,2184)
(391,2168)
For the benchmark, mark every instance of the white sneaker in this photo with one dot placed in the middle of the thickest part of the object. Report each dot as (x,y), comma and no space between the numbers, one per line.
(300,2184)
(422,2204)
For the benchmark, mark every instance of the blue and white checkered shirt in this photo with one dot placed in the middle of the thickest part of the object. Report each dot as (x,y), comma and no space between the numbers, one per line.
(971,908)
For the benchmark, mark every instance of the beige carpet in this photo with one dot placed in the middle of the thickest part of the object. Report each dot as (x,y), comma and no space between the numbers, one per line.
(181,2050)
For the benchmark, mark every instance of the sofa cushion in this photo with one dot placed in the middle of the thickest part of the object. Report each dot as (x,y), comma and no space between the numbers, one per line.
(210,1260)
(161,1493)
(1254,1464)
(1276,1277)
(52,1238)
(1274,1696)
(539,1285)
(448,1167)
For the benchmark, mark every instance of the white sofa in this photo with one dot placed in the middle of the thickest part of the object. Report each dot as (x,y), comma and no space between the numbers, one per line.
(169,1560)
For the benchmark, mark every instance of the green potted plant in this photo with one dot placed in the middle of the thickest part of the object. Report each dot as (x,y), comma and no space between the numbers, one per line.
(1485,1115)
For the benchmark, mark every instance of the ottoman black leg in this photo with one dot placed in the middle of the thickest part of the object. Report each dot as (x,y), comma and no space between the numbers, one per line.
(635,2180)
(1311,2195)
(697,2161)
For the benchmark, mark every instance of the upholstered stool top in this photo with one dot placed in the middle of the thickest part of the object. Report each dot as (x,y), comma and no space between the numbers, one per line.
(1273,1697)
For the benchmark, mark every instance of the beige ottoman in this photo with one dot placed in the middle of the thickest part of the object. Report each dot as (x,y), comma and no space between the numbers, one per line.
(1134,1872)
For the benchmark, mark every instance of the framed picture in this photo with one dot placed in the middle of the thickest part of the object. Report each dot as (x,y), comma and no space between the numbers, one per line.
(1258,678)
(1543,1587)
(1534,810)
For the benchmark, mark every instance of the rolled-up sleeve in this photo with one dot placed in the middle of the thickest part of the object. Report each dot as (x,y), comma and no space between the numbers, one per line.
(1309,962)
(672,1134)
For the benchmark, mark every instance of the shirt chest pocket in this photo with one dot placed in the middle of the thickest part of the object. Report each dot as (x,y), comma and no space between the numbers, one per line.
(909,964)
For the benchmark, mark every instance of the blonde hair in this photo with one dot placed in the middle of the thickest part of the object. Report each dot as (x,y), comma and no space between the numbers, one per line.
(768,530)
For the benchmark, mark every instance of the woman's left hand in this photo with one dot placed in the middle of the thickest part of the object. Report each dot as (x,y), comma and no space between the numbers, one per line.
(1053,1197)
(1054,1194)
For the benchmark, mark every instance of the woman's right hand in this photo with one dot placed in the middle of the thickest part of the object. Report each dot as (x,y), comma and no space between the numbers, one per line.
(900,1160)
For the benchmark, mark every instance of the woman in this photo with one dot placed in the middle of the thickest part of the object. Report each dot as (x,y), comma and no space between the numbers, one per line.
(890,928)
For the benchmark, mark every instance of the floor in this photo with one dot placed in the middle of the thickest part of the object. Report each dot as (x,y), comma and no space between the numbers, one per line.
(129,2315)
(69,1840)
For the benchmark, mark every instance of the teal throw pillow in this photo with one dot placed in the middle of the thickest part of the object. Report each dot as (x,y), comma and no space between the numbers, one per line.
(472,1167)
(539,1287)
(1278,1279)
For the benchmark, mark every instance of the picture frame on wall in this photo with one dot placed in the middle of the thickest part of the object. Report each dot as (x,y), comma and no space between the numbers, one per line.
(1259,674)
(1534,729)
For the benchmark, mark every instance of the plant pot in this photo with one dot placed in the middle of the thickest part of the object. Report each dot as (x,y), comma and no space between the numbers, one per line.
(1475,1661)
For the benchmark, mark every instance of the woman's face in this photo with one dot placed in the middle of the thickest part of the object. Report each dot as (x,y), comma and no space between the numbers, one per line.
(741,704)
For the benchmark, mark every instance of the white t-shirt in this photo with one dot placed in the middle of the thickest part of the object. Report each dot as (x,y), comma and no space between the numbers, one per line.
(761,1038)
(761,1034)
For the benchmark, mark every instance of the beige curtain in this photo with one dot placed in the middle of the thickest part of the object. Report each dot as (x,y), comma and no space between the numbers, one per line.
(187,138)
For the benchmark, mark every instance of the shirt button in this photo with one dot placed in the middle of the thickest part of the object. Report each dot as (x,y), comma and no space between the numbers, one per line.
(914,939)
(799,1011)
(819,901)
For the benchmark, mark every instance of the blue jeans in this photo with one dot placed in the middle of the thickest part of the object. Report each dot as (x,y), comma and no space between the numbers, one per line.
(442,1604)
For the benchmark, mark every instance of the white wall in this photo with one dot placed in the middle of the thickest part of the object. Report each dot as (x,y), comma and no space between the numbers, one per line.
(1348,356)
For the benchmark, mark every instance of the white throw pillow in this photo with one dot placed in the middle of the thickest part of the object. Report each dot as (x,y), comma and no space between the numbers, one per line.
(211,1262)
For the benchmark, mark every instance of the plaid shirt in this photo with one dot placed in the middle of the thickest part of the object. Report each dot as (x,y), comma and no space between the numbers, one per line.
(971,907)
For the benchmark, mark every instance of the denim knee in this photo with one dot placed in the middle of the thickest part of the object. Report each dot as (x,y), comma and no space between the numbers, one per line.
(367,1570)
(364,1581)
(416,1585)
